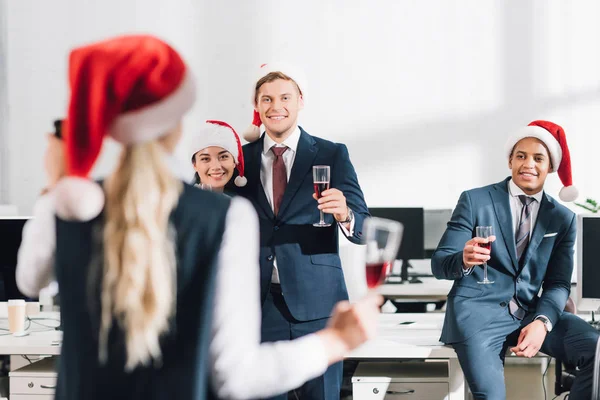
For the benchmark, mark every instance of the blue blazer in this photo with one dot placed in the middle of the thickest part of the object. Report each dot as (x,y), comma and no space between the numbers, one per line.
(309,266)
(547,262)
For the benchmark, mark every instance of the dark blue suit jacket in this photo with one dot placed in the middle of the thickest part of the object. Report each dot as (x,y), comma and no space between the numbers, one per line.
(547,262)
(309,266)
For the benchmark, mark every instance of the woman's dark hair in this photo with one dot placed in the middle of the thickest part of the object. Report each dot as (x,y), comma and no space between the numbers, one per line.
(196,176)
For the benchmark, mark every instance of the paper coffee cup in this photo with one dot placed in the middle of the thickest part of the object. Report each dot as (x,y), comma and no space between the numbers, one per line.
(16,316)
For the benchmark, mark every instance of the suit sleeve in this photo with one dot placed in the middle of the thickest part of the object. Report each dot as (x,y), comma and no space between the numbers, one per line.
(446,262)
(343,178)
(557,282)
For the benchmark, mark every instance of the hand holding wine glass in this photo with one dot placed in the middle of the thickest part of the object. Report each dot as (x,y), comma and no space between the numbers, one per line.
(382,237)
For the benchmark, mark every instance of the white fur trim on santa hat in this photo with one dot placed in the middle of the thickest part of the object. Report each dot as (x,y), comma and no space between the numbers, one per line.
(78,199)
(157,119)
(215,135)
(285,68)
(568,193)
(541,134)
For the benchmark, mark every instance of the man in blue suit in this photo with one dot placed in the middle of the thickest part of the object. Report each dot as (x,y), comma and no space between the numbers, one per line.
(301,276)
(533,251)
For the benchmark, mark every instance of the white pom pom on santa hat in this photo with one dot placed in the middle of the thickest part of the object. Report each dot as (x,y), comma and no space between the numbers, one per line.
(553,136)
(252,133)
(78,199)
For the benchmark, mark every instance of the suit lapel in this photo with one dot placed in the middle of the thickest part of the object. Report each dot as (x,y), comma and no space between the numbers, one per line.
(502,209)
(541,224)
(305,155)
(252,165)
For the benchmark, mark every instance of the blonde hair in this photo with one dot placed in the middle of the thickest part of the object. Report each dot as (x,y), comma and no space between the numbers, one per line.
(139,271)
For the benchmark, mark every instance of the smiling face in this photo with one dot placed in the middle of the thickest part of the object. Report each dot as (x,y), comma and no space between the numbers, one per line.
(215,166)
(278,103)
(530,165)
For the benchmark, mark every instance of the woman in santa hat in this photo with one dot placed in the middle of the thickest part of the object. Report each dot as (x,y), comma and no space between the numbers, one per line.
(216,154)
(148,265)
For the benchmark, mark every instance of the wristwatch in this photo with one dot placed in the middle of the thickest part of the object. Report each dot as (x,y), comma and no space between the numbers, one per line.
(546,322)
(349,218)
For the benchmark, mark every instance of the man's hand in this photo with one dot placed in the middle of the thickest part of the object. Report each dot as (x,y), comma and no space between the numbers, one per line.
(333,201)
(350,326)
(473,254)
(530,340)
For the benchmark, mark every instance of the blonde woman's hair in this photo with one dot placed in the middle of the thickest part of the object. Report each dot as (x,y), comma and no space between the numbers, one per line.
(139,271)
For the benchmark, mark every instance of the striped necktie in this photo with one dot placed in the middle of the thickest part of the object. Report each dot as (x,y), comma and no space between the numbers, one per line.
(524,228)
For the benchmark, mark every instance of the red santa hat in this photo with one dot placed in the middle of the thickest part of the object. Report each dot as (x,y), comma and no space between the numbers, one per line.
(252,133)
(134,88)
(221,134)
(553,136)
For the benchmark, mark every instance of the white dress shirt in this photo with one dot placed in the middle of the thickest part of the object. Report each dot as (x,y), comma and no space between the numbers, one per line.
(516,206)
(266,177)
(241,367)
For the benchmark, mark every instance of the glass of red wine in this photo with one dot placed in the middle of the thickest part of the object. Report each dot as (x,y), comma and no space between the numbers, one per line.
(382,237)
(485,232)
(321,175)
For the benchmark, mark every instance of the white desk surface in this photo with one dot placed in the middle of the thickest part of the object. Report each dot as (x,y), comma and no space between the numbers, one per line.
(431,288)
(42,339)
(420,339)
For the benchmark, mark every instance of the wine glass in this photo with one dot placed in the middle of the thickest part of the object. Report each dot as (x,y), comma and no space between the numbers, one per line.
(321,175)
(485,232)
(205,186)
(383,237)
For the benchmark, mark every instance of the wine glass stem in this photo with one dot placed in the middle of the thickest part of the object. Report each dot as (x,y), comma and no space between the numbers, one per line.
(322,217)
(485,278)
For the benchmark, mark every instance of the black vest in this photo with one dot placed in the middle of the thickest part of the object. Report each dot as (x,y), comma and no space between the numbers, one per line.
(198,223)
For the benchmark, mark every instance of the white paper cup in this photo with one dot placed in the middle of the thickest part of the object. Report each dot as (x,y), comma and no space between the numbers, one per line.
(16,316)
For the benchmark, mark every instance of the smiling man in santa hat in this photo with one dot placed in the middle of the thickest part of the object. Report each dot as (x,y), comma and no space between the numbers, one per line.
(301,276)
(533,250)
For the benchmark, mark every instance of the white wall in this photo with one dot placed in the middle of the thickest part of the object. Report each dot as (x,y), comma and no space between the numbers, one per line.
(423,93)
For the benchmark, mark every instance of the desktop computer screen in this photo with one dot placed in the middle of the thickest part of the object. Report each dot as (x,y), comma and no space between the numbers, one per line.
(10,241)
(588,262)
(435,223)
(411,247)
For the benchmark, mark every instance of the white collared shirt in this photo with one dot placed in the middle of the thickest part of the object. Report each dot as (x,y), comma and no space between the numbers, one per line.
(516,206)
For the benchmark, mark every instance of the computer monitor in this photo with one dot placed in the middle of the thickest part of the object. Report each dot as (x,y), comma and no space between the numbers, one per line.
(412,247)
(11,229)
(436,221)
(588,262)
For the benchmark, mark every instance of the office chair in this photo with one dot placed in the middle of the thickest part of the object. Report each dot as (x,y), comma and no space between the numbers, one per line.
(565,373)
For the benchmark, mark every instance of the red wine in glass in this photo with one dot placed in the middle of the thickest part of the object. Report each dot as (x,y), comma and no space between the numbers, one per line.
(485,245)
(376,273)
(320,187)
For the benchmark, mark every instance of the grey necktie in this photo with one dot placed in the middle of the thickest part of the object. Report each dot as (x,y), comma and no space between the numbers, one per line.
(522,239)
(524,228)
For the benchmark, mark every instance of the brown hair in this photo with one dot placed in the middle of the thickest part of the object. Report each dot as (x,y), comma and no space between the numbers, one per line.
(273,76)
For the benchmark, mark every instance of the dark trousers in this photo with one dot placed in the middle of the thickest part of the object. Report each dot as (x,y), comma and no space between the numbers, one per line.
(482,355)
(278,324)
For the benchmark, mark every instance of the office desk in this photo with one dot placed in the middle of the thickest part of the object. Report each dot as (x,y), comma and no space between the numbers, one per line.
(42,339)
(417,341)
(431,289)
